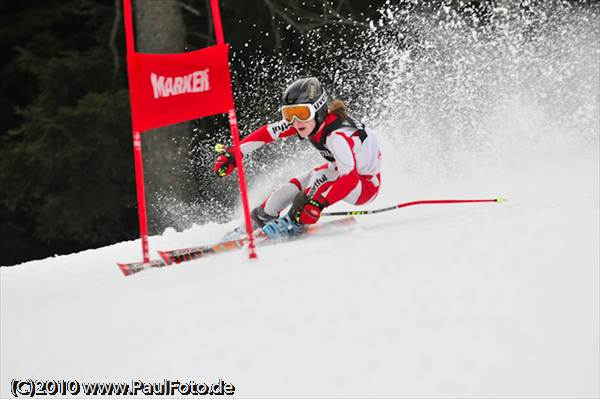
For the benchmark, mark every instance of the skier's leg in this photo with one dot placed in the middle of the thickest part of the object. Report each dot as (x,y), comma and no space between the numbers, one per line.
(307,184)
(270,208)
(320,179)
(280,199)
(365,191)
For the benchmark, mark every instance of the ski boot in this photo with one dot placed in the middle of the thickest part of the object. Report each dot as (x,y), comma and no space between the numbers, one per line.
(282,228)
(259,218)
(287,225)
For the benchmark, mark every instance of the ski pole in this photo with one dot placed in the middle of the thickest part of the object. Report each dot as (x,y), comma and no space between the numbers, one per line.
(405,204)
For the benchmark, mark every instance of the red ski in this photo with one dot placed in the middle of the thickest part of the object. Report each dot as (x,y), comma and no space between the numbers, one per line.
(132,268)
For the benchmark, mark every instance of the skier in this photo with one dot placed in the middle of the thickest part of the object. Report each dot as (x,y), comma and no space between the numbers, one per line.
(351,174)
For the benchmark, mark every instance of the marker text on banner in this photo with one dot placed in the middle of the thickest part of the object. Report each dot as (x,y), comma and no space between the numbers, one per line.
(172,88)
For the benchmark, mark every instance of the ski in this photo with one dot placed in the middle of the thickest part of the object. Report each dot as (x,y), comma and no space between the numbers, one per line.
(131,268)
(177,256)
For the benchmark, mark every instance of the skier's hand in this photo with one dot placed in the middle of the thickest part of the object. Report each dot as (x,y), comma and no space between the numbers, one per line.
(311,212)
(225,163)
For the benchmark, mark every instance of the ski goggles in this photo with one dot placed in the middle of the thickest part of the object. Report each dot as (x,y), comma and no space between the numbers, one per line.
(303,112)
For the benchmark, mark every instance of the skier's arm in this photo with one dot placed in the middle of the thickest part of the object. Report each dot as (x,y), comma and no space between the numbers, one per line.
(265,135)
(225,163)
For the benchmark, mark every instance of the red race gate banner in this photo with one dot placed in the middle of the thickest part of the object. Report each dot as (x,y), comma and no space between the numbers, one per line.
(172,88)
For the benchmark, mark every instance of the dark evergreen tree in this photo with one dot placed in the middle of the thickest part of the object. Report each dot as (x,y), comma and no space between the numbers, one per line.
(66,169)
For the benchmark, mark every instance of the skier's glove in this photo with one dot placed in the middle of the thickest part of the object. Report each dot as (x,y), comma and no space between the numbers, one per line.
(225,163)
(311,212)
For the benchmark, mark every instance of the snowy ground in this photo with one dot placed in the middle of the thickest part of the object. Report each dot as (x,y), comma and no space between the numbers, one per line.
(456,300)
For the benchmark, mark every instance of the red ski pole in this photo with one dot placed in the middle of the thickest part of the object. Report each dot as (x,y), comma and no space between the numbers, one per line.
(405,204)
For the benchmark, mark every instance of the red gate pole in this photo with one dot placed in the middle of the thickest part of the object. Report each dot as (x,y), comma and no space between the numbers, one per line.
(141,194)
(216,14)
(137,141)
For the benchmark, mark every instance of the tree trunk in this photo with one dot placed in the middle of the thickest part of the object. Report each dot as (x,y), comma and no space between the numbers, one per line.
(160,29)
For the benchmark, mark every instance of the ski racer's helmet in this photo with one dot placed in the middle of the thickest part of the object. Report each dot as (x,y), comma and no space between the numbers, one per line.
(304,100)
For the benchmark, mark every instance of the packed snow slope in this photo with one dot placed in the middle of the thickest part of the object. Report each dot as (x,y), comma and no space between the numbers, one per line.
(473,300)
(442,300)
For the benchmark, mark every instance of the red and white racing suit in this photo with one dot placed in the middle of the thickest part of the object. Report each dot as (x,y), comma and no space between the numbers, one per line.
(352,171)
